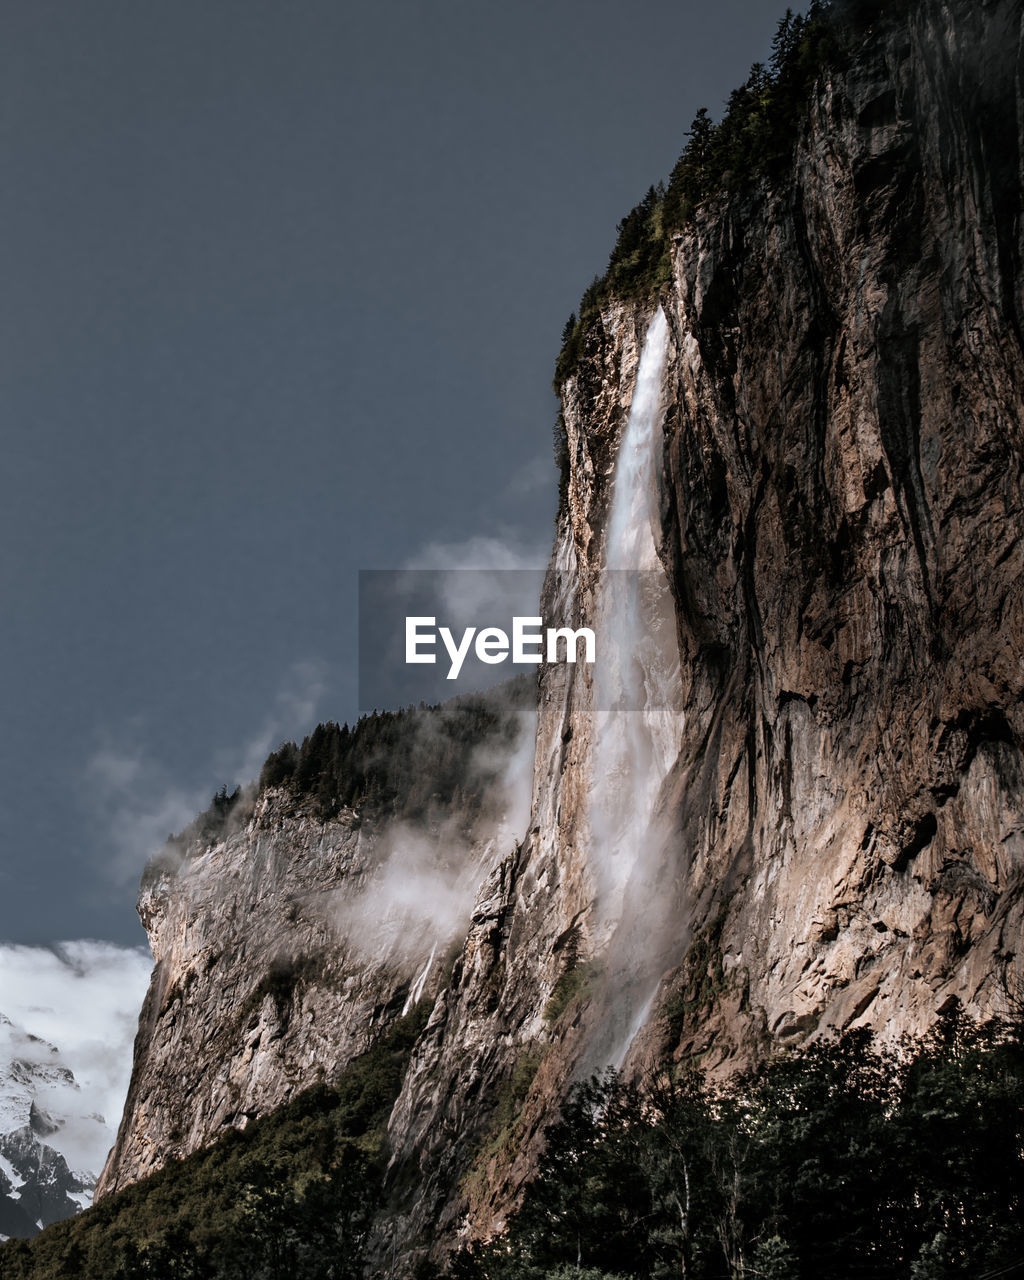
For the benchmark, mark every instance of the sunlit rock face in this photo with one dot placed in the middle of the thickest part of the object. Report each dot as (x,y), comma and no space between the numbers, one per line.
(252,996)
(830,831)
(838,840)
(843,517)
(285,947)
(285,942)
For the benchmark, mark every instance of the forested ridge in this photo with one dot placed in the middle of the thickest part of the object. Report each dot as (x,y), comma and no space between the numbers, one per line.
(838,1161)
(842,1160)
(413,763)
(292,1195)
(417,764)
(755,138)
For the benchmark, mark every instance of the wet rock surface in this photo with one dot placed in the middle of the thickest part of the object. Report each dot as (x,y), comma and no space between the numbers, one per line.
(840,839)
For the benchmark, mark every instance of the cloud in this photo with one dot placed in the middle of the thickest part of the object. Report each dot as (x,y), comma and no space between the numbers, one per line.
(513,769)
(292,716)
(137,802)
(420,895)
(480,582)
(537,474)
(82,998)
(481,552)
(418,898)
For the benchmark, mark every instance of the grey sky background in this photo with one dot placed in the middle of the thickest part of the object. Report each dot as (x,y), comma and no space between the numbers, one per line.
(283,286)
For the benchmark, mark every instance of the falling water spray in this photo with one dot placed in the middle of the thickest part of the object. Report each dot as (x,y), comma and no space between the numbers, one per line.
(637,708)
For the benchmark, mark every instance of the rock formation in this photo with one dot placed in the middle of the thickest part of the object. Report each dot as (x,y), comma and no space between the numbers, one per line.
(838,837)
(37,1100)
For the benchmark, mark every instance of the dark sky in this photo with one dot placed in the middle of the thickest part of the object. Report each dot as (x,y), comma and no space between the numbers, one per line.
(282,289)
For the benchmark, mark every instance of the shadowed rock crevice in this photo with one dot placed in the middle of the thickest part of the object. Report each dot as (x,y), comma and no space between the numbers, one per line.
(838,839)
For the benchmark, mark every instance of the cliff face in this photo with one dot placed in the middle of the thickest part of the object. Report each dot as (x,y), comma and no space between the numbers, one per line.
(842,516)
(286,942)
(251,998)
(830,826)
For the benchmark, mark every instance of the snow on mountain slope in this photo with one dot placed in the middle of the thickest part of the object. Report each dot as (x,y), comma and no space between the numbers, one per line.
(60,1106)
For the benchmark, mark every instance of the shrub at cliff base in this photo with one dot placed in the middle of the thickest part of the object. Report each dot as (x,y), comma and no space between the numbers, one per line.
(290,1196)
(840,1161)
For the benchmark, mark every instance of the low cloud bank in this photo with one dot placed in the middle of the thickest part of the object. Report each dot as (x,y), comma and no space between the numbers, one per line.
(136,802)
(419,898)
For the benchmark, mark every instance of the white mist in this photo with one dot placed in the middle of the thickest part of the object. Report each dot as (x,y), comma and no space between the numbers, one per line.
(636,708)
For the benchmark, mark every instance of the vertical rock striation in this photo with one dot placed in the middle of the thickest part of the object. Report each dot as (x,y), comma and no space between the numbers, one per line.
(843,524)
(839,839)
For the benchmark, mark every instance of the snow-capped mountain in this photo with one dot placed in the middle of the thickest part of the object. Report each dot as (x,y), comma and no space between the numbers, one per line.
(69,1014)
(44,1135)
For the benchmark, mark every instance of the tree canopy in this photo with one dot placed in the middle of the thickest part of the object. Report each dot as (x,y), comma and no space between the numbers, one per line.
(839,1160)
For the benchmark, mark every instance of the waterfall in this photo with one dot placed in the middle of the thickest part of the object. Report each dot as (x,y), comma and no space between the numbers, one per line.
(416,990)
(636,708)
(637,671)
(630,543)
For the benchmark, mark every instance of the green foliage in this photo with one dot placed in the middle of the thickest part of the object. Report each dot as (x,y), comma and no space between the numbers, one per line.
(576,980)
(512,1097)
(703,978)
(561,437)
(754,138)
(773,1259)
(213,820)
(290,1196)
(575,983)
(283,981)
(226,814)
(414,764)
(838,1160)
(419,764)
(502,1138)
